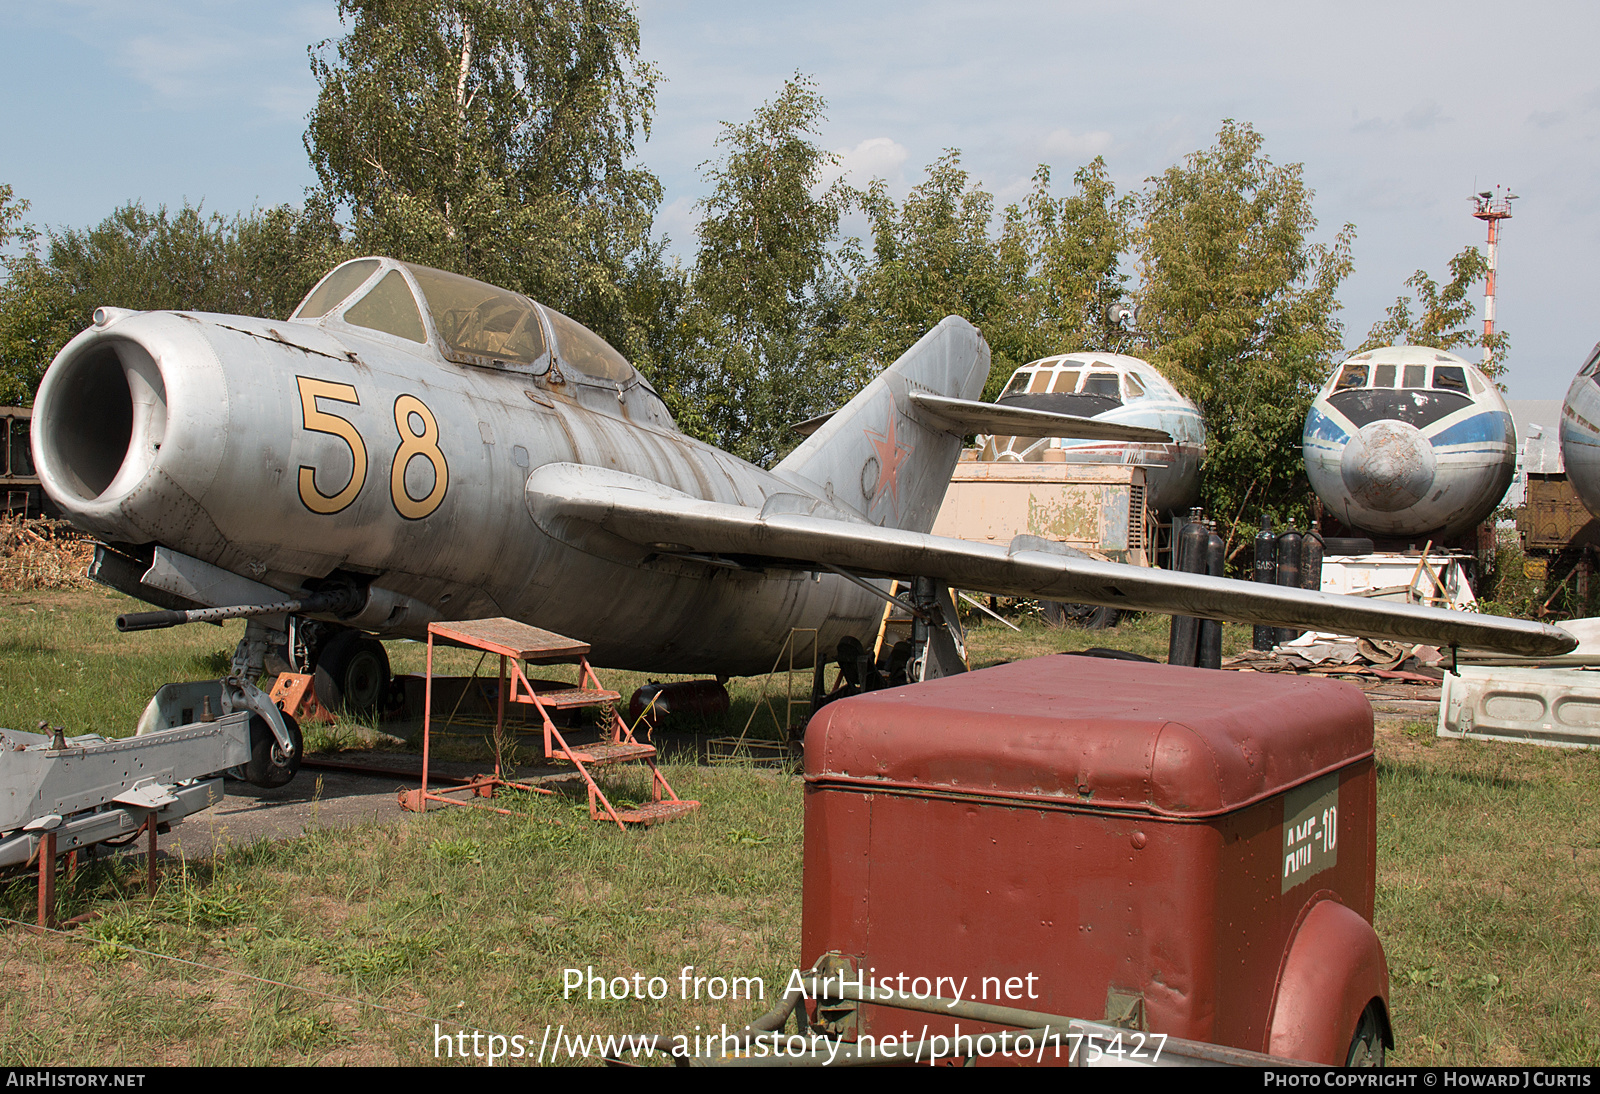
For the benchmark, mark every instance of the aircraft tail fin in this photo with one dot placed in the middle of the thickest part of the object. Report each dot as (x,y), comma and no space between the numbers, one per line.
(877,454)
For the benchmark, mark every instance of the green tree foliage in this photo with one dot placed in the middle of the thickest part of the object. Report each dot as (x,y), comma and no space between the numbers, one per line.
(930,257)
(1443,318)
(1240,307)
(1071,251)
(261,263)
(1037,287)
(22,307)
(766,287)
(495,138)
(11,210)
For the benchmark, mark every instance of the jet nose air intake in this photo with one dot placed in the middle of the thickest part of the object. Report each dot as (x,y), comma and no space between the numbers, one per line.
(101,417)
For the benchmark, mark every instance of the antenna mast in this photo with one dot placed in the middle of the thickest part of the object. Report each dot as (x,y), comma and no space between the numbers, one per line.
(1491,210)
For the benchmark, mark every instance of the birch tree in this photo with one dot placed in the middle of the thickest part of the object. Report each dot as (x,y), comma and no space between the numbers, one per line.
(494,138)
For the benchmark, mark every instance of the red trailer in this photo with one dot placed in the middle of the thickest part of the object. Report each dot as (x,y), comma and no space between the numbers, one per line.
(1174,850)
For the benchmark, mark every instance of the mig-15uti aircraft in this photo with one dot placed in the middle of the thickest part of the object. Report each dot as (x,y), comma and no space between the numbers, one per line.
(413,446)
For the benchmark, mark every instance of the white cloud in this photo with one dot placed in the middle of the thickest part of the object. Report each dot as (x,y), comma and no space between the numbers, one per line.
(873,158)
(1077,146)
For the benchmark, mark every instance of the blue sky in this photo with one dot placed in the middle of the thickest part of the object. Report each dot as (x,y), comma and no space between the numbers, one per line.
(1399,111)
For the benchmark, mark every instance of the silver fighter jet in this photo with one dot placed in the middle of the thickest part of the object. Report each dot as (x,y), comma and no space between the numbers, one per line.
(414,446)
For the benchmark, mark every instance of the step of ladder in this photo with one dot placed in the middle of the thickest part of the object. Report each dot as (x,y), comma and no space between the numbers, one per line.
(652,812)
(574,697)
(606,753)
(516,642)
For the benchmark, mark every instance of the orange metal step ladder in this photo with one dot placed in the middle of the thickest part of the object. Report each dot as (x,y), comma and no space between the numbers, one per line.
(519,643)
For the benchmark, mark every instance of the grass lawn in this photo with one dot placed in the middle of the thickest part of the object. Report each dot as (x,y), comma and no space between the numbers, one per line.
(1486,892)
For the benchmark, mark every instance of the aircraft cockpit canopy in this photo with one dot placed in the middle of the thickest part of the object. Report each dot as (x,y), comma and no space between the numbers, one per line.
(1085,384)
(1419,385)
(1451,376)
(473,323)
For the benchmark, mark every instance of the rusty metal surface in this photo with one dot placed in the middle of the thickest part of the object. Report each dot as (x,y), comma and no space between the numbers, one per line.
(509,638)
(1098,507)
(1108,829)
(1094,734)
(1335,967)
(1553,517)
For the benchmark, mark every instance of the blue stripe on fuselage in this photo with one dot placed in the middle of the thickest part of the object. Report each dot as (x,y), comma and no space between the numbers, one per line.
(1490,427)
(1320,427)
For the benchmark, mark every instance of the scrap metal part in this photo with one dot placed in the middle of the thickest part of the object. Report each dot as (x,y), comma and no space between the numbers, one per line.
(89,788)
(1547,706)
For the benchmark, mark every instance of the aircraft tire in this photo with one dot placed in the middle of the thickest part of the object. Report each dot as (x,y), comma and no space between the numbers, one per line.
(268,766)
(352,674)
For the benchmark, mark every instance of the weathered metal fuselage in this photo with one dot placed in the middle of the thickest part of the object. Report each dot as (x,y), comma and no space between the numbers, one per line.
(295,452)
(1580,433)
(1409,441)
(1110,387)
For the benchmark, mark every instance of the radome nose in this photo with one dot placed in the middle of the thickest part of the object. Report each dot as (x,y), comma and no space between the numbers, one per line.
(1387,466)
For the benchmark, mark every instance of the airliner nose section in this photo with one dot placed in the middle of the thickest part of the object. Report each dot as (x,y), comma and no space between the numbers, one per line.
(1387,466)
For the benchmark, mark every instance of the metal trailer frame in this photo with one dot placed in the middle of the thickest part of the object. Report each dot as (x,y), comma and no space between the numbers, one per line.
(59,795)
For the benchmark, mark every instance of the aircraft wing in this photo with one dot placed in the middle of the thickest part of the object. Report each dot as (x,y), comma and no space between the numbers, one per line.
(597,509)
(963,416)
(969,416)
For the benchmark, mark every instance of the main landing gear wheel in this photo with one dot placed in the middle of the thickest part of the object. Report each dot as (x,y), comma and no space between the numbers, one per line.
(268,766)
(352,674)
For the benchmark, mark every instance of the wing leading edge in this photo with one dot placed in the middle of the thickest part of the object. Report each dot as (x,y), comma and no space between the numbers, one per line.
(964,416)
(574,502)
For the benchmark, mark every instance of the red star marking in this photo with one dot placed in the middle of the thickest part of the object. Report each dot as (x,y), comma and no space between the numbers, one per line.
(892,456)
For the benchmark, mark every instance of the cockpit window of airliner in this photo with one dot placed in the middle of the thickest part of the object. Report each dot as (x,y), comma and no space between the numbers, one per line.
(478,323)
(1415,376)
(1383,376)
(1132,388)
(580,348)
(339,284)
(1066,382)
(1018,384)
(1102,383)
(1352,376)
(389,307)
(1449,378)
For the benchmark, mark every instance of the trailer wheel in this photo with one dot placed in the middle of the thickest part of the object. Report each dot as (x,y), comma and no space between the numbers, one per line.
(268,766)
(1366,1047)
(352,673)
